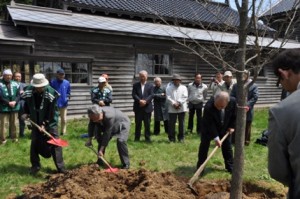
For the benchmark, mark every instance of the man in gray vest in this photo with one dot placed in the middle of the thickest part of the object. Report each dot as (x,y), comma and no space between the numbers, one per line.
(110,122)
(284,125)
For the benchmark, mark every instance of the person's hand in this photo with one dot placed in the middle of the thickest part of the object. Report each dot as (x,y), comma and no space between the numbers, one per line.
(12,104)
(89,143)
(42,128)
(24,116)
(142,103)
(230,130)
(101,103)
(100,153)
(218,143)
(247,108)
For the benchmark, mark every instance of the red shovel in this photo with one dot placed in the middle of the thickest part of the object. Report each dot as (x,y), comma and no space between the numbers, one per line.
(53,140)
(110,169)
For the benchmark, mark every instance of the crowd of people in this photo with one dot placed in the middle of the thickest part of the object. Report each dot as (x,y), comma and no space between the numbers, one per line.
(41,102)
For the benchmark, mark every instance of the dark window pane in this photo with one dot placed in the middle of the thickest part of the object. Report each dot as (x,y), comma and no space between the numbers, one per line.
(153,63)
(80,78)
(47,67)
(56,66)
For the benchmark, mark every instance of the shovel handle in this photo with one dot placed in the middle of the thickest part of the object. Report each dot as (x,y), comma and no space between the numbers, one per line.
(101,157)
(196,175)
(44,131)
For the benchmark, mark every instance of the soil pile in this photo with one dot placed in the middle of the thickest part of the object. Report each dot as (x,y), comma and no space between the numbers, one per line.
(90,182)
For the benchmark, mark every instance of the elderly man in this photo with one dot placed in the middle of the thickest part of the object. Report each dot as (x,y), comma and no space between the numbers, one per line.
(9,106)
(62,86)
(284,126)
(216,82)
(142,94)
(18,78)
(218,119)
(197,92)
(228,82)
(177,95)
(160,106)
(41,107)
(110,122)
(101,94)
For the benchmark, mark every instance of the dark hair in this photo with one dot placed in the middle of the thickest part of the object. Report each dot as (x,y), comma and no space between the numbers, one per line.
(287,59)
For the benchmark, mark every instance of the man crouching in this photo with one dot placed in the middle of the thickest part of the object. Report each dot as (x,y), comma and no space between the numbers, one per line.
(111,122)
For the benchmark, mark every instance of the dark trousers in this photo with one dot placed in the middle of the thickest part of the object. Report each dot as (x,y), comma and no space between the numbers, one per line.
(21,126)
(39,146)
(198,109)
(141,116)
(157,127)
(226,151)
(247,134)
(172,122)
(122,150)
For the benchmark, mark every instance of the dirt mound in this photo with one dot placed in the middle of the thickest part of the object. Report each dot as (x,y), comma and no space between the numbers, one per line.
(90,182)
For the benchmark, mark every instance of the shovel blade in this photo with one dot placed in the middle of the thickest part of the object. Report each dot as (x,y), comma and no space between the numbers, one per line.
(58,142)
(190,186)
(111,170)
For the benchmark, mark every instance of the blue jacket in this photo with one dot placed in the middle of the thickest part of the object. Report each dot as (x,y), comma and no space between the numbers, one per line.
(64,90)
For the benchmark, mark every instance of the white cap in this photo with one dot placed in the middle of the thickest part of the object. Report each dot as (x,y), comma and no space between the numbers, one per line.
(228,73)
(7,72)
(101,79)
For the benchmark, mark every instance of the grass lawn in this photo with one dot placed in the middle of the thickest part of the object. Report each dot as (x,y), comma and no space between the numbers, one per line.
(158,156)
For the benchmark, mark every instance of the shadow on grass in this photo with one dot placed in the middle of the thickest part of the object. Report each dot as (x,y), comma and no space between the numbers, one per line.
(188,171)
(14,168)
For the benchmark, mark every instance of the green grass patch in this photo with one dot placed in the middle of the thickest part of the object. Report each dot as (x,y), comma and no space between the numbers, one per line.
(160,155)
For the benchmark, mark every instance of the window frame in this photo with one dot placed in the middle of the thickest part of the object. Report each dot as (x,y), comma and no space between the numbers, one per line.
(152,74)
(51,75)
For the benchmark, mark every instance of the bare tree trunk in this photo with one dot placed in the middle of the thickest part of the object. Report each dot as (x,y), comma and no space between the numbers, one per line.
(238,168)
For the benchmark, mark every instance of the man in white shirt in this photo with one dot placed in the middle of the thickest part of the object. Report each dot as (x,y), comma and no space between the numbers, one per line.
(177,95)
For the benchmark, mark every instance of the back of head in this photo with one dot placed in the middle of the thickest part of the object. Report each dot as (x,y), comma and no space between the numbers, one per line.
(287,59)
(94,109)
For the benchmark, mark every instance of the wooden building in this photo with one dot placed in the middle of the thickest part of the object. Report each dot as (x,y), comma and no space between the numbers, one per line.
(279,17)
(88,38)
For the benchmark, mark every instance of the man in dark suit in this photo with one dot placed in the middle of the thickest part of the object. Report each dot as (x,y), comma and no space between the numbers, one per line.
(218,119)
(142,93)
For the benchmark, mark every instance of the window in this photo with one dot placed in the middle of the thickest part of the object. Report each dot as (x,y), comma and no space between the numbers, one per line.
(75,72)
(154,64)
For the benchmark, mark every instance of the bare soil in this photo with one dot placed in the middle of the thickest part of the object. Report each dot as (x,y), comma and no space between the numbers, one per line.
(89,181)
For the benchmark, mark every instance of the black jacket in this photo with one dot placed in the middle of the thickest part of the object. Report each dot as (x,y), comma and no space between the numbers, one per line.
(212,125)
(137,96)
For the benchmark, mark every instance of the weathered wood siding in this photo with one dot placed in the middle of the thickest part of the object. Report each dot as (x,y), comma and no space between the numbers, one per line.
(115,56)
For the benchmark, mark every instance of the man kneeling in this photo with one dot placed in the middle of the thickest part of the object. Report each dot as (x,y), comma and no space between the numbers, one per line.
(110,122)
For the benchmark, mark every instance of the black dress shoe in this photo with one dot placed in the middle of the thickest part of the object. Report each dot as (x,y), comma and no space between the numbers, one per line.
(61,171)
